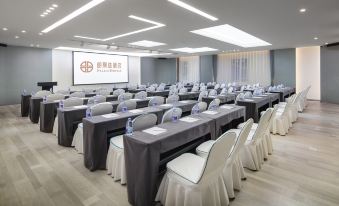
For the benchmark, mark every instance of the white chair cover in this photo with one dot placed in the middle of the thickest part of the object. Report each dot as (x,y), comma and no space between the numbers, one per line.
(78,94)
(156,100)
(42,93)
(202,94)
(213,92)
(140,95)
(96,99)
(54,97)
(130,104)
(118,92)
(167,117)
(172,99)
(125,96)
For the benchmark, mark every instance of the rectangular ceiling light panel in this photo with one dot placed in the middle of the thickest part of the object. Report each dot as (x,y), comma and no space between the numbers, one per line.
(232,35)
(194,50)
(193,9)
(146,43)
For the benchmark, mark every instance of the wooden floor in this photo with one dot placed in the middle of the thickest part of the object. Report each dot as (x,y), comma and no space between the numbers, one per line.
(304,169)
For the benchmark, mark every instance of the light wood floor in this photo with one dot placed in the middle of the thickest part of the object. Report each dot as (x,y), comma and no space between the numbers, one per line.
(304,169)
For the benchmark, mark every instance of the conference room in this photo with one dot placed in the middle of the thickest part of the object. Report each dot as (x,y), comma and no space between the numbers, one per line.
(169,102)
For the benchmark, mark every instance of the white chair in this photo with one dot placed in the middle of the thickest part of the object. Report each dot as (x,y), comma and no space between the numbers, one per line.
(129,104)
(140,95)
(161,88)
(78,94)
(54,97)
(239,97)
(118,92)
(87,91)
(217,86)
(183,90)
(142,86)
(230,90)
(150,89)
(248,95)
(195,88)
(173,92)
(98,109)
(202,95)
(169,113)
(213,92)
(172,99)
(203,88)
(215,102)
(115,162)
(96,99)
(70,102)
(223,91)
(233,171)
(223,85)
(103,92)
(280,122)
(64,92)
(156,100)
(42,93)
(197,181)
(132,87)
(125,96)
(202,107)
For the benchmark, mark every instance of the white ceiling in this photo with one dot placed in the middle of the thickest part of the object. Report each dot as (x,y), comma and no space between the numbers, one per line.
(278,22)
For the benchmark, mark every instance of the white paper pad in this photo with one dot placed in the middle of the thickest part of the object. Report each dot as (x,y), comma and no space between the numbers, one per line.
(249,100)
(56,101)
(188,119)
(80,107)
(155,130)
(166,105)
(226,107)
(268,93)
(263,95)
(136,99)
(256,97)
(134,111)
(210,112)
(112,115)
(184,101)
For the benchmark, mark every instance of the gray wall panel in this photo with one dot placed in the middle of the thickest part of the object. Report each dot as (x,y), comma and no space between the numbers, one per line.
(283,67)
(206,68)
(329,72)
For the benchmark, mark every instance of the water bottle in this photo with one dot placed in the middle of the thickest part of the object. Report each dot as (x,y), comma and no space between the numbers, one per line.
(124,107)
(24,92)
(44,99)
(61,104)
(88,112)
(129,127)
(195,109)
(175,116)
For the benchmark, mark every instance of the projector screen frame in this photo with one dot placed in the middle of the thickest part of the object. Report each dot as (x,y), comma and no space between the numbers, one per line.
(99,83)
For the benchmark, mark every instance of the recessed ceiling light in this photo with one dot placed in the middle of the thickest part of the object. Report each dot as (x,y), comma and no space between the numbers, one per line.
(302,10)
(315,38)
(146,43)
(193,9)
(40,33)
(32,45)
(48,11)
(156,25)
(45,13)
(74,14)
(232,35)
(42,15)
(55,5)
(5,29)
(51,8)
(23,31)
(326,43)
(17,37)
(194,50)
(37,45)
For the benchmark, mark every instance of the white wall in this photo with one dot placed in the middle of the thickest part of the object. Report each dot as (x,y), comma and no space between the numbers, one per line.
(63,74)
(308,70)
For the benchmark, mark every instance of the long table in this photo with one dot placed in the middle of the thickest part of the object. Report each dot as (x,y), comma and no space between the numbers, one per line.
(284,93)
(158,93)
(25,98)
(254,106)
(98,129)
(224,99)
(146,154)
(185,105)
(189,96)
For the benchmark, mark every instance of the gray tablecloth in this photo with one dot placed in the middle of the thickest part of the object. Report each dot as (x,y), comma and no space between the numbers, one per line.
(284,93)
(189,96)
(133,91)
(254,107)
(157,93)
(34,109)
(274,98)
(48,111)
(226,118)
(146,154)
(224,99)
(185,105)
(96,131)
(25,99)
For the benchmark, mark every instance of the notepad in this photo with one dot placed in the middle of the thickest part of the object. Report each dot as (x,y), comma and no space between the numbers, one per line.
(112,115)
(155,130)
(210,112)
(134,111)
(80,107)
(185,101)
(188,119)
(249,100)
(226,107)
(166,105)
(56,101)
(256,97)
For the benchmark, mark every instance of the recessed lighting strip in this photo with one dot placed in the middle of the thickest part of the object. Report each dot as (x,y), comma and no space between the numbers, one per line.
(193,9)
(194,50)
(74,14)
(157,25)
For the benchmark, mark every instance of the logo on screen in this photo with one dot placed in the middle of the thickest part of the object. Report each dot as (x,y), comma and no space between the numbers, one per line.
(86,66)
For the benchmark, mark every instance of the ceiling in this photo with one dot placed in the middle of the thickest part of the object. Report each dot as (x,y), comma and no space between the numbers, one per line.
(278,22)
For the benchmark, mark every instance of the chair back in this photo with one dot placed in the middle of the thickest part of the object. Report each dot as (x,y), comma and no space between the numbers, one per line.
(144,121)
(161,88)
(217,86)
(87,91)
(73,101)
(202,106)
(214,102)
(131,87)
(219,152)
(183,90)
(156,100)
(103,92)
(203,88)
(230,90)
(64,92)
(96,99)
(129,104)
(169,113)
(101,108)
(78,94)
(195,88)
(125,96)
(248,95)
(223,85)
(173,92)
(54,97)
(202,94)
(150,89)
(239,97)
(262,125)
(42,93)
(142,86)
(140,95)
(118,92)
(223,91)
(213,92)
(172,99)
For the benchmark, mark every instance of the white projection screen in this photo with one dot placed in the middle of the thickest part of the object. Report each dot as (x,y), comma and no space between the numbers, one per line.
(94,68)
